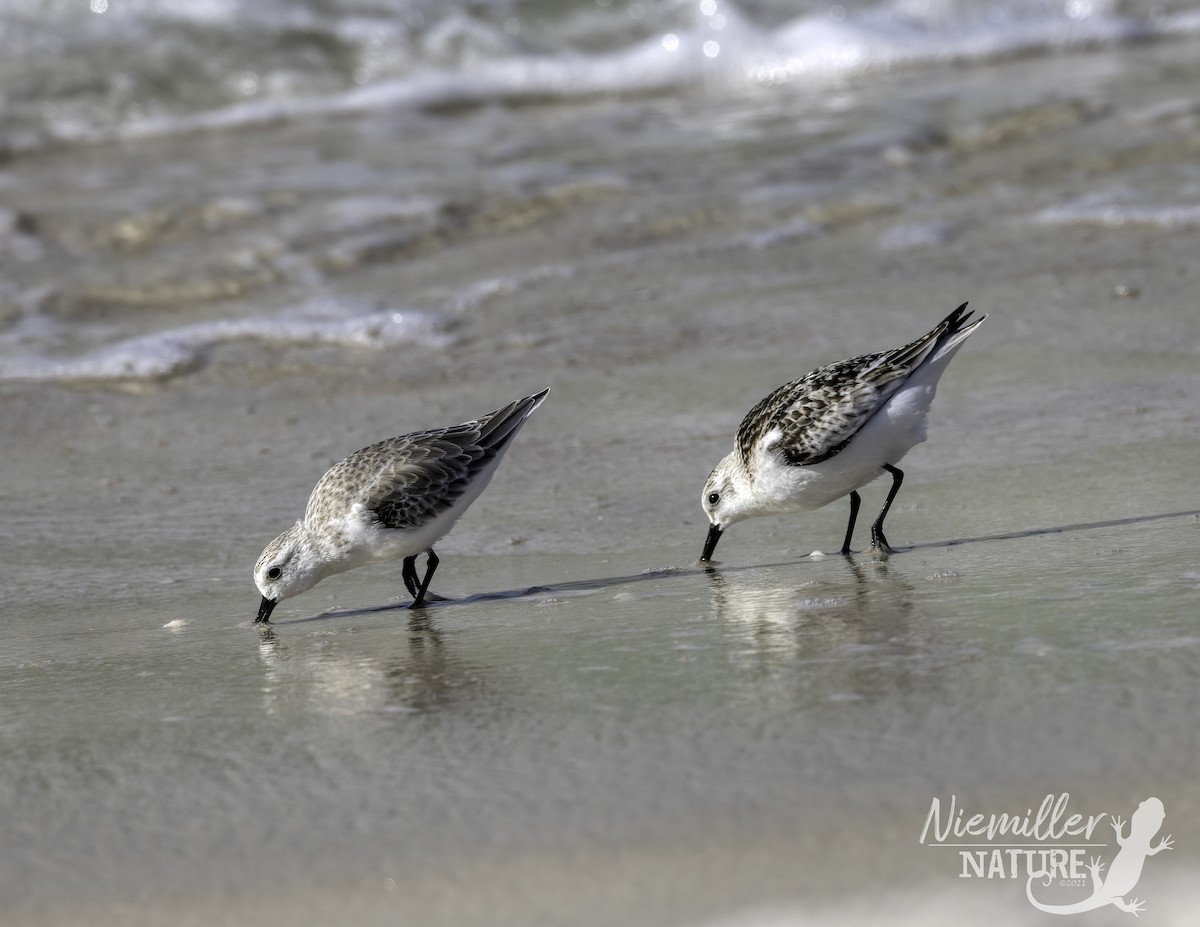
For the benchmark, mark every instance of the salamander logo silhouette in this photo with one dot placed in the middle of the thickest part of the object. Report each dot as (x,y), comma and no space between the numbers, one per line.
(1126,866)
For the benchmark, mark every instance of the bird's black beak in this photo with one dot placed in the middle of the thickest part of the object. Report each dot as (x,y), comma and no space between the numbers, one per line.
(264,610)
(710,543)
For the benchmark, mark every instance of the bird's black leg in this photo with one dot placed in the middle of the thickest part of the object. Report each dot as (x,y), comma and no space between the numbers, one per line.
(878,541)
(408,573)
(855,502)
(431,562)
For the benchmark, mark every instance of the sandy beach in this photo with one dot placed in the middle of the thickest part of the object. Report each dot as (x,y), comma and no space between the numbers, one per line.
(593,729)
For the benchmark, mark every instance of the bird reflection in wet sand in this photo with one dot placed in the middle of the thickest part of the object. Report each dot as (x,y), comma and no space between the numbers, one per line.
(849,633)
(330,673)
(429,677)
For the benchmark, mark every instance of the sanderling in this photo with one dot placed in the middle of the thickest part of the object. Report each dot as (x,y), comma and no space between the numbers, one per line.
(388,501)
(820,437)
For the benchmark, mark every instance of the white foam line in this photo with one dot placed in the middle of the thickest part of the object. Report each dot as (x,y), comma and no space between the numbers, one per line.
(808,47)
(170,353)
(1119,215)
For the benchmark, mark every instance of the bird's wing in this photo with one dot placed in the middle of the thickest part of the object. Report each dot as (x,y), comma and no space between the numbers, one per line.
(811,419)
(404,481)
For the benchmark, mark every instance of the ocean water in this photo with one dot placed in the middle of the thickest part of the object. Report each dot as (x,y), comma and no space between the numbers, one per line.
(179,178)
(240,240)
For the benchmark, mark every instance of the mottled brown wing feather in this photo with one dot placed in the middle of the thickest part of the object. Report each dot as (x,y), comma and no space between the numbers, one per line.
(407,480)
(423,488)
(404,481)
(817,415)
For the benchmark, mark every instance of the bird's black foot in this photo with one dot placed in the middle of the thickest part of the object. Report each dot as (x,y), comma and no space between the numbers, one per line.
(880,545)
(420,593)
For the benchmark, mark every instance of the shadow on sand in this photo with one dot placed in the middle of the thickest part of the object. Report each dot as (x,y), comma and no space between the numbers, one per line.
(587,585)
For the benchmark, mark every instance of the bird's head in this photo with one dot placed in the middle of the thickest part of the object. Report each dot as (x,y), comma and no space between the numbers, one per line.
(286,567)
(726,499)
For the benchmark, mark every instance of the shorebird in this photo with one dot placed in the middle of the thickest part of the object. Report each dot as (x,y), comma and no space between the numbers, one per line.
(393,500)
(824,436)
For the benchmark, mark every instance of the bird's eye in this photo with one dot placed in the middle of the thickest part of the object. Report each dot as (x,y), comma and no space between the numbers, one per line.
(274,573)
(714,498)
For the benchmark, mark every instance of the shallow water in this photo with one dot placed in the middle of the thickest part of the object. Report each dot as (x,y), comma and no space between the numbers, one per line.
(197,320)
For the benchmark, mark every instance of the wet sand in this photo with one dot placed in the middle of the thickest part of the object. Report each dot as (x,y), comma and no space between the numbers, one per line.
(581,737)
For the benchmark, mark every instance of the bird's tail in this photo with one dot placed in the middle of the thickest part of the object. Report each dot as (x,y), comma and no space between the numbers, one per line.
(953,330)
(938,344)
(499,427)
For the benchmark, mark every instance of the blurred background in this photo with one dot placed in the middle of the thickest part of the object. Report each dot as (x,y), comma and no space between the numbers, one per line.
(177,177)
